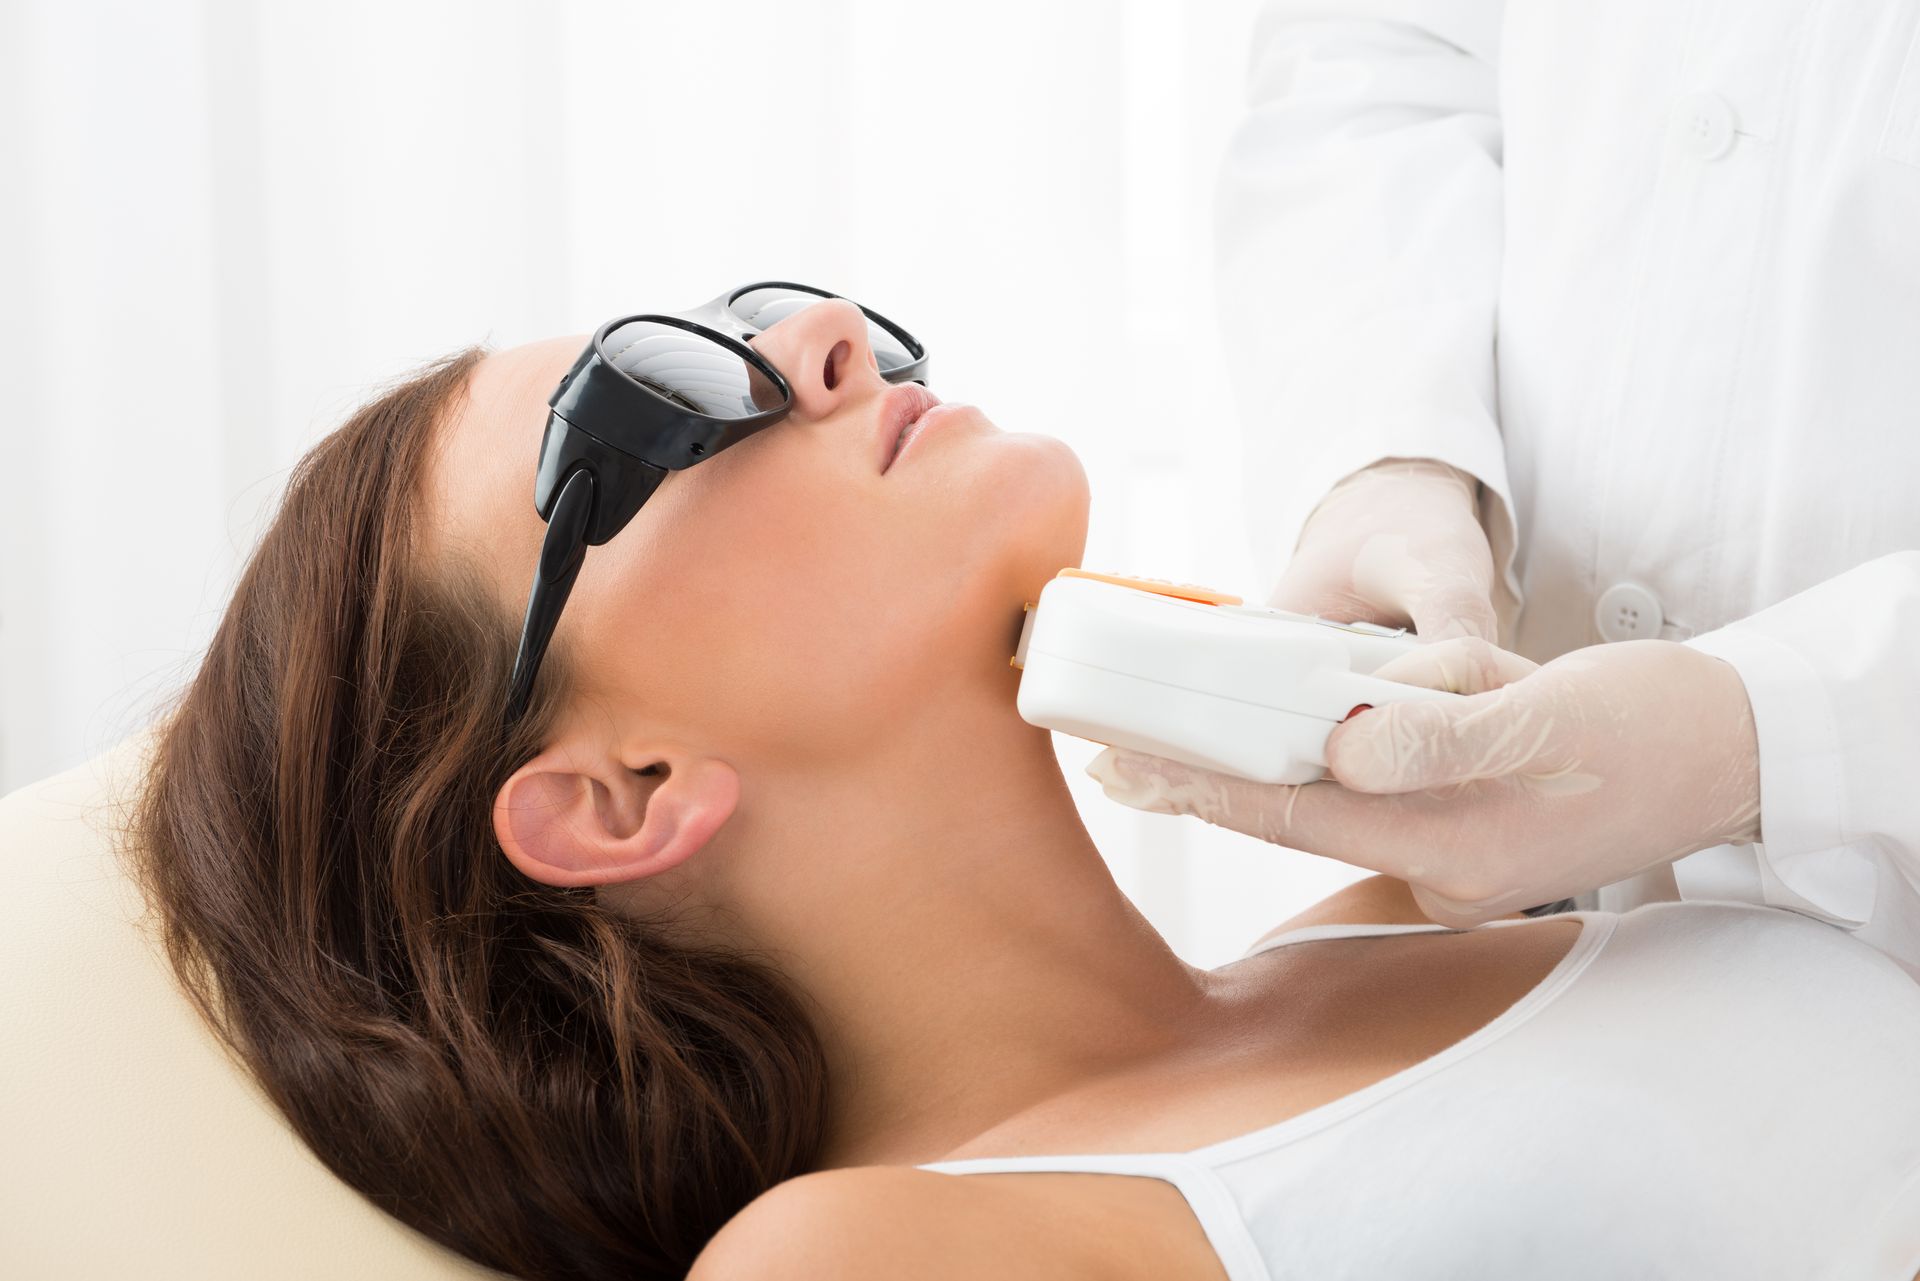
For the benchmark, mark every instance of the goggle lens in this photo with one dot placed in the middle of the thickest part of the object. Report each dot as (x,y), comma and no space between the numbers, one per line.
(691,370)
(767,306)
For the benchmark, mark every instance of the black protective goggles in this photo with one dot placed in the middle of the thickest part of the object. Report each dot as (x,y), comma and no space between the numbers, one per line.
(651,394)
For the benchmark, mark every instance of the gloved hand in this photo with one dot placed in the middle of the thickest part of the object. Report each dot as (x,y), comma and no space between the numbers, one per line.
(1397,543)
(1547,781)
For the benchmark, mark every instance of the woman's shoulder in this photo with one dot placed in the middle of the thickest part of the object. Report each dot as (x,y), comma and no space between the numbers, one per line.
(834,1223)
(889,1221)
(1372,900)
(865,1222)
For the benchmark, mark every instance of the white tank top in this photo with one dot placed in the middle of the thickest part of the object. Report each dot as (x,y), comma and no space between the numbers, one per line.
(1697,1090)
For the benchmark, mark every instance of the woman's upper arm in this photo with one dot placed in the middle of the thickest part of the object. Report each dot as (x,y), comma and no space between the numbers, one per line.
(819,1225)
(1373,900)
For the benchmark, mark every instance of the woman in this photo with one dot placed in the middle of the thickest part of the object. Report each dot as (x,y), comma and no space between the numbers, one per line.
(771,881)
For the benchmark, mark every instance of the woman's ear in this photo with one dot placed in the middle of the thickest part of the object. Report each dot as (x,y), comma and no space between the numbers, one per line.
(564,824)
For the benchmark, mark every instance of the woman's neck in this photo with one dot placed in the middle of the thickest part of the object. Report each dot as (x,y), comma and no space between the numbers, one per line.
(964,947)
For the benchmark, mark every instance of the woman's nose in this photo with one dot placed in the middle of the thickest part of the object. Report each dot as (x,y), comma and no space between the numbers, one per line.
(824,352)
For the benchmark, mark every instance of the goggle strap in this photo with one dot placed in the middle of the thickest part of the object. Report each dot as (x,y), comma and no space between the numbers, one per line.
(562,552)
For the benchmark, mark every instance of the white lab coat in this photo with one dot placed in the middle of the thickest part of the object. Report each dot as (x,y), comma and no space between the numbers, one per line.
(1651,271)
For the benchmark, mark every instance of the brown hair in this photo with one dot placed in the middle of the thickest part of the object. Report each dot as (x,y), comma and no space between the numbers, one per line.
(546,1086)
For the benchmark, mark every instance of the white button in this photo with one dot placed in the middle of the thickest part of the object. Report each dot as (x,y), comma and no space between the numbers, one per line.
(1705,123)
(1628,611)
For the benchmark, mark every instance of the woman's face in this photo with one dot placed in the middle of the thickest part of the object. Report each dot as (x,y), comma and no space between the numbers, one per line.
(801,595)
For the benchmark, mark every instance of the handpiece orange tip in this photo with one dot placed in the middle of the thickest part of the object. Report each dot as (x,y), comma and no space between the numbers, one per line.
(1159,587)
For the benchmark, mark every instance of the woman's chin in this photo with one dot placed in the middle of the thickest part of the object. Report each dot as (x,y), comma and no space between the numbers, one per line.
(1008,514)
(1042,500)
(1043,479)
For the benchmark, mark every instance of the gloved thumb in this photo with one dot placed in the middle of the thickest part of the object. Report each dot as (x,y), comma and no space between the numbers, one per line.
(1450,608)
(1411,747)
(1463,666)
(1459,915)
(1143,781)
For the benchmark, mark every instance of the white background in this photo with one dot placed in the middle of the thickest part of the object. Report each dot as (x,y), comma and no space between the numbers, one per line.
(222,222)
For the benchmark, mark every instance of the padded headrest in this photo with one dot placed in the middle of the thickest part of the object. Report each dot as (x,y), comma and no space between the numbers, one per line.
(131,1144)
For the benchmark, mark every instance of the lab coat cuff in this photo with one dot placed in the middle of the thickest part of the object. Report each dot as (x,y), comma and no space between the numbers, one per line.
(1804,846)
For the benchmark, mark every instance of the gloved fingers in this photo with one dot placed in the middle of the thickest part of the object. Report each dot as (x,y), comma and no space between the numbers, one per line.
(1398,542)
(1412,747)
(1340,606)
(1595,766)
(1445,610)
(1317,583)
(1459,914)
(1161,786)
(1398,835)
(1454,597)
(1417,838)
(1443,588)
(1463,666)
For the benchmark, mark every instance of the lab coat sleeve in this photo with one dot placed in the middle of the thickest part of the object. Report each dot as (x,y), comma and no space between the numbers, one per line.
(1358,238)
(1834,678)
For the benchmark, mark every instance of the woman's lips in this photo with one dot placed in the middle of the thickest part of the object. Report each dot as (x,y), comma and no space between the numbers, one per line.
(928,422)
(903,405)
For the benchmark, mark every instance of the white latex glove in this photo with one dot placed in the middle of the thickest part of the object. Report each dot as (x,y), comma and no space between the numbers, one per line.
(1547,781)
(1397,543)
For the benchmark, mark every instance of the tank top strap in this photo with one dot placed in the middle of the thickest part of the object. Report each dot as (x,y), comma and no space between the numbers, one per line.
(1350,930)
(1209,1199)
